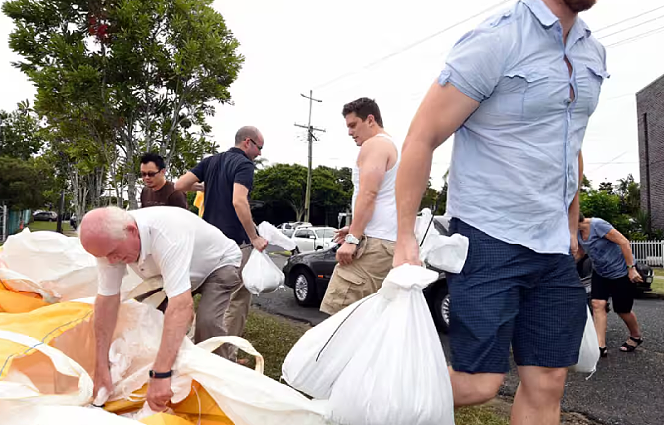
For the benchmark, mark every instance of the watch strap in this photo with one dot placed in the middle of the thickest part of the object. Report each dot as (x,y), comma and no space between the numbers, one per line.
(160,375)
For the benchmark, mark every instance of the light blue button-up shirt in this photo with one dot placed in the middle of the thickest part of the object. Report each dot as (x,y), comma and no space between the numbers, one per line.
(514,170)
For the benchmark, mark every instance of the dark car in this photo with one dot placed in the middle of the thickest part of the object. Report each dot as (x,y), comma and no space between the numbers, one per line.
(309,273)
(45,216)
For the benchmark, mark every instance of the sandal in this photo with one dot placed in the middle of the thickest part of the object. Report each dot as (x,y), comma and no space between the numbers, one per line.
(603,352)
(628,348)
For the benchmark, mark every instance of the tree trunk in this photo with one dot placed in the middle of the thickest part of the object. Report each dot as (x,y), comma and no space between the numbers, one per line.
(129,160)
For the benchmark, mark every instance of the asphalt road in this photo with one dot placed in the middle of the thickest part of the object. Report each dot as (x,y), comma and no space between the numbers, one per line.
(627,389)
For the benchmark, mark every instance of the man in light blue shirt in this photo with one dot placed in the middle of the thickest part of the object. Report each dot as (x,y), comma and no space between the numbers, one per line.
(518,91)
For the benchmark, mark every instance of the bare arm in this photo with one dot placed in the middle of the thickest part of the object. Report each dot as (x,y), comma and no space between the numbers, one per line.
(573,214)
(626,248)
(372,161)
(105,318)
(442,112)
(177,319)
(242,209)
(580,253)
(106,315)
(187,182)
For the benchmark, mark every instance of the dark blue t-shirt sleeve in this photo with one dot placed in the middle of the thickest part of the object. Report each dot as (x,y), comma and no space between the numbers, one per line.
(245,175)
(200,169)
(601,227)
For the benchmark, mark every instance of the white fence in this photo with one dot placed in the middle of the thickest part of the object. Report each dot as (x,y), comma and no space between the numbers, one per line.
(649,252)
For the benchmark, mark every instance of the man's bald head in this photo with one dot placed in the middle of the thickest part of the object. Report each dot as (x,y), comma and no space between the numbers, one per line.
(247,132)
(250,141)
(110,233)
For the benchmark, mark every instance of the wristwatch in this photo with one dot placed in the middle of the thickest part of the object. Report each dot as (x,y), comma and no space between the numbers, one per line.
(351,239)
(631,266)
(160,375)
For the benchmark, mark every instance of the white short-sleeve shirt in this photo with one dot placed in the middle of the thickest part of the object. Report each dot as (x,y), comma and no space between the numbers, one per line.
(176,244)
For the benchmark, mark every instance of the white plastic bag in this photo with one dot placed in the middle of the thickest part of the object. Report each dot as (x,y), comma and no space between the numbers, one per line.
(260,274)
(398,374)
(54,266)
(275,237)
(589,350)
(318,357)
(58,263)
(446,253)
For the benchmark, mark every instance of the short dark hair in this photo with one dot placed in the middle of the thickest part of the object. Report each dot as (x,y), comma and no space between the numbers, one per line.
(581,217)
(154,157)
(363,107)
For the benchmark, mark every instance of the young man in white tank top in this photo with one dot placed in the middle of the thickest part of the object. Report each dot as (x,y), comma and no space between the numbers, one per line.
(367,246)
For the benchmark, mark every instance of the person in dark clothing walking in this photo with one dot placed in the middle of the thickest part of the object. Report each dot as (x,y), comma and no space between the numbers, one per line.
(228,178)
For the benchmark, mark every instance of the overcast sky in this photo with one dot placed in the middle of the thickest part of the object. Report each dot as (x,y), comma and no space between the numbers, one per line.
(297,45)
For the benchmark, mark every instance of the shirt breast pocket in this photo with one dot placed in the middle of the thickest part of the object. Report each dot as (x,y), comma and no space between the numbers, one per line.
(590,83)
(522,94)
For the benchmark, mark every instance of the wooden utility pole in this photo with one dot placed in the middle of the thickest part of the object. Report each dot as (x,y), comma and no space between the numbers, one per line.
(310,140)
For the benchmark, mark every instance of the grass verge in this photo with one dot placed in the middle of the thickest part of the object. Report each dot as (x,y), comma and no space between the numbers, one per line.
(37,226)
(273,337)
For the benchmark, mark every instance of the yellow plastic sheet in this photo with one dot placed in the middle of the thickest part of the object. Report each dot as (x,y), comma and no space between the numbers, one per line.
(44,324)
(199,202)
(19,302)
(198,404)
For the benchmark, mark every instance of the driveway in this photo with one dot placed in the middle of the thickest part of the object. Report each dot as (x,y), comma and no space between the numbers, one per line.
(627,389)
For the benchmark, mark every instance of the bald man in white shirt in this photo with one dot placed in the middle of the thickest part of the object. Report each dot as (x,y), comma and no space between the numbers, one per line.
(190,255)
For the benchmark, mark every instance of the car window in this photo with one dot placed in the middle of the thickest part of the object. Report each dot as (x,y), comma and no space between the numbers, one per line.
(303,233)
(321,233)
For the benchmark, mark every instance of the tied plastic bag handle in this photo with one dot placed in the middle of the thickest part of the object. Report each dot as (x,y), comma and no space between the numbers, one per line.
(212,344)
(63,364)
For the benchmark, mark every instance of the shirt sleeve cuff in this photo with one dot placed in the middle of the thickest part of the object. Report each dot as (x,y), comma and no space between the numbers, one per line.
(448,75)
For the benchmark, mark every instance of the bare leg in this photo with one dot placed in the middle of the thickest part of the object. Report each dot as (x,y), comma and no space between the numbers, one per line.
(599,316)
(632,325)
(537,400)
(471,389)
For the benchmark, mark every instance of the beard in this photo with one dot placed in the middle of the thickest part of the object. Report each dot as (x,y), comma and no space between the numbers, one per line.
(577,6)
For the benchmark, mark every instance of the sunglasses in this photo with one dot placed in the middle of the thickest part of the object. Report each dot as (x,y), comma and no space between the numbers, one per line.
(260,148)
(149,174)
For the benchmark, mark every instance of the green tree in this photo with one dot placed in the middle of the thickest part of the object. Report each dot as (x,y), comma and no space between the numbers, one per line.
(22,184)
(282,183)
(604,205)
(328,191)
(630,195)
(586,186)
(126,77)
(606,187)
(21,135)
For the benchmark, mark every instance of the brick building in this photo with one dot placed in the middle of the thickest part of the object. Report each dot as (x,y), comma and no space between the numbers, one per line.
(650,110)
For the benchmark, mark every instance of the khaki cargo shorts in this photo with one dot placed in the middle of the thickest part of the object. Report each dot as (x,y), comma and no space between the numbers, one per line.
(364,276)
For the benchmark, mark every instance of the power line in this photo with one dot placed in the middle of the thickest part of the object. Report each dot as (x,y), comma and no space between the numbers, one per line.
(637,37)
(628,19)
(629,28)
(610,162)
(410,46)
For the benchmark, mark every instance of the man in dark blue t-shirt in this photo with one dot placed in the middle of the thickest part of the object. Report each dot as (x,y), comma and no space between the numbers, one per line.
(228,178)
